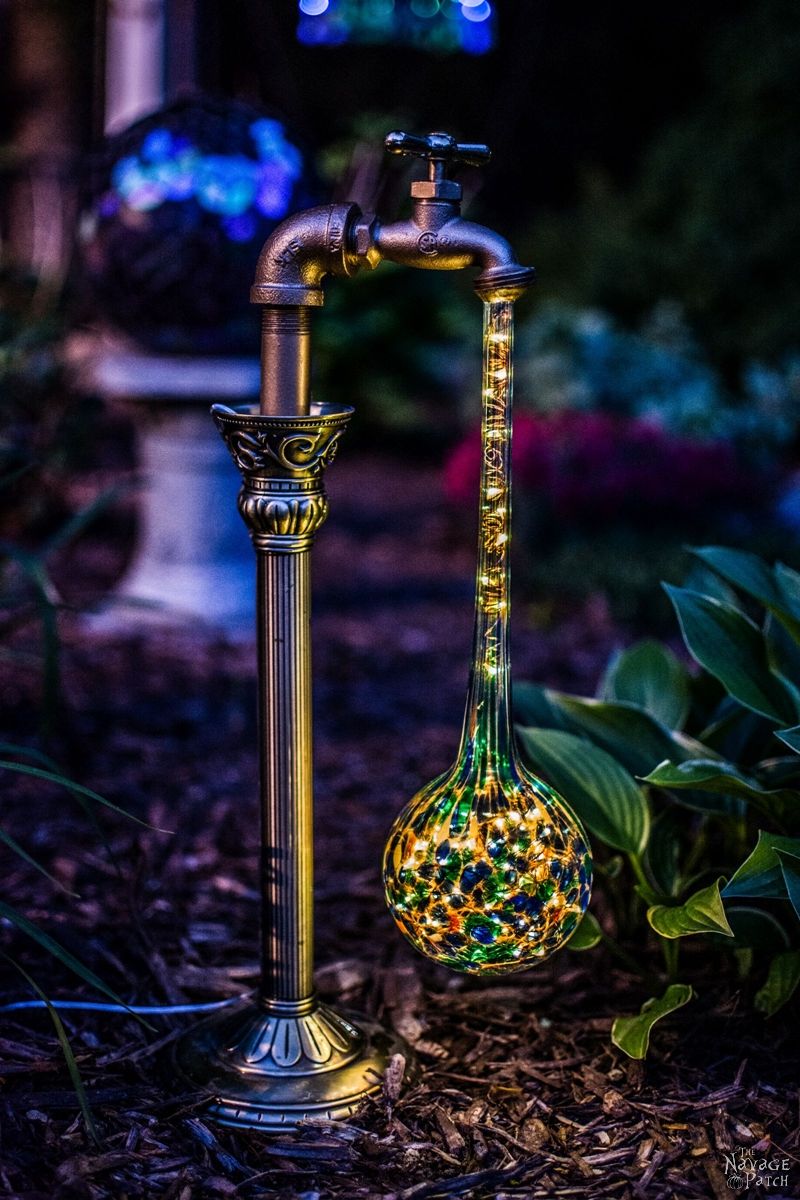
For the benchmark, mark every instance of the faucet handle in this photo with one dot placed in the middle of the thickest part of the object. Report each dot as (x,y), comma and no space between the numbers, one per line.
(438,149)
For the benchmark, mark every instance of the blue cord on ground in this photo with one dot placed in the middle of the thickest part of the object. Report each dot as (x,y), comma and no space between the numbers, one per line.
(139,1010)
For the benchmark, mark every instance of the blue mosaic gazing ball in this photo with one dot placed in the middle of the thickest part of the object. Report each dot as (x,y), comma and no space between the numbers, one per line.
(181,204)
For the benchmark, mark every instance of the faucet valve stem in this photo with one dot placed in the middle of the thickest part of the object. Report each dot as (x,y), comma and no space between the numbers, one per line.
(439,149)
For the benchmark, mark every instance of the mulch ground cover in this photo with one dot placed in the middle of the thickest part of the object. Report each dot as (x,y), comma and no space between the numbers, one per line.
(520,1093)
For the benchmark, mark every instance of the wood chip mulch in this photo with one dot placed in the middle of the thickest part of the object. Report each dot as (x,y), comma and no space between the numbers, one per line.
(518,1091)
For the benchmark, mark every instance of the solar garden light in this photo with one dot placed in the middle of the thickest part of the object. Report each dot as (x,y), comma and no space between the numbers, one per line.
(486,870)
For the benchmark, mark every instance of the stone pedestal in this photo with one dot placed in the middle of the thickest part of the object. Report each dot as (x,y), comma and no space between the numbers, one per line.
(193,557)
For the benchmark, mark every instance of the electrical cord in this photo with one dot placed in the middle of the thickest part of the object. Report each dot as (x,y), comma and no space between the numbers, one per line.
(139,1010)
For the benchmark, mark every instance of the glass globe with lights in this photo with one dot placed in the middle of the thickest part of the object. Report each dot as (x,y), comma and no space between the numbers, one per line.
(487,870)
(487,875)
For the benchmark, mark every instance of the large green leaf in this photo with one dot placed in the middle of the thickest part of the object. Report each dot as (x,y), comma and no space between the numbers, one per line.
(791,737)
(732,649)
(601,792)
(775,588)
(635,738)
(700,578)
(669,775)
(701,913)
(789,584)
(761,873)
(781,983)
(783,650)
(662,857)
(743,569)
(632,1034)
(651,677)
(790,867)
(722,778)
(533,706)
(587,935)
(756,929)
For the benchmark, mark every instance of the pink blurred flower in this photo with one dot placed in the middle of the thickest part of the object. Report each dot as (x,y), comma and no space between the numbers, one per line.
(592,468)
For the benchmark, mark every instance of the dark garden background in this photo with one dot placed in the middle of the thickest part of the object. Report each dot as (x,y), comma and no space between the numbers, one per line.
(645,160)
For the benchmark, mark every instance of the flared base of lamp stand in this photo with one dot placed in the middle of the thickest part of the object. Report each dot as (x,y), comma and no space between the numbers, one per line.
(263,1068)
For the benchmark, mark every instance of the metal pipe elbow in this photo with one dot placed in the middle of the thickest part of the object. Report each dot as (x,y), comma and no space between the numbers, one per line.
(301,252)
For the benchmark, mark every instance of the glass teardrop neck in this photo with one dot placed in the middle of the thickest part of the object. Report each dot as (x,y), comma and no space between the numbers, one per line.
(487,745)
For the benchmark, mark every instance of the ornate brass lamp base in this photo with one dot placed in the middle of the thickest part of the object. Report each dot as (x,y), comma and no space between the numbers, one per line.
(266,1069)
(283,1057)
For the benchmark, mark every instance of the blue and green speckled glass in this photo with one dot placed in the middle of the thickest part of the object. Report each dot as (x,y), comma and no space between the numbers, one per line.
(486,869)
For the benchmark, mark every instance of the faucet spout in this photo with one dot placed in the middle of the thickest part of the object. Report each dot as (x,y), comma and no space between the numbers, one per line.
(437,238)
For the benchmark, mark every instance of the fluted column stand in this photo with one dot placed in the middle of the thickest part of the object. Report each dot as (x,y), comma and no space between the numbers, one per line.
(284,1057)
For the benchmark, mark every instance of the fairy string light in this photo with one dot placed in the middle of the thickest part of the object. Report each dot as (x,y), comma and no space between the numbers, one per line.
(486,869)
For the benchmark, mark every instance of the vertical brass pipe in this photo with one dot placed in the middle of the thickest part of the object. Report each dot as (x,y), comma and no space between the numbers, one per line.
(284,675)
(287,865)
(285,360)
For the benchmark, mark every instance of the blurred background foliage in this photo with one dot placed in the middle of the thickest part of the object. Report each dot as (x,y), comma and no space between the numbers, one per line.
(712,216)
(666,294)
(42,434)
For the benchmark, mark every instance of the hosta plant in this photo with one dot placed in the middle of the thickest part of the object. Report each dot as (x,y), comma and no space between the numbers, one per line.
(688,779)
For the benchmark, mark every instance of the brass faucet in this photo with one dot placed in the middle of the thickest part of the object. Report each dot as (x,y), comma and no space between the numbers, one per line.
(338,239)
(285,1057)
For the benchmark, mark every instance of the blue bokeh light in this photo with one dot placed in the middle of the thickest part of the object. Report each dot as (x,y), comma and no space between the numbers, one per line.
(157,145)
(441,26)
(169,167)
(477,38)
(242,228)
(180,203)
(477,12)
(425,8)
